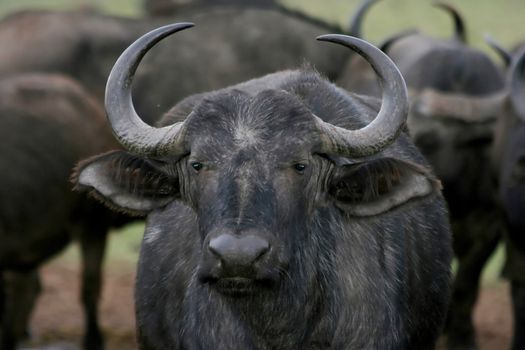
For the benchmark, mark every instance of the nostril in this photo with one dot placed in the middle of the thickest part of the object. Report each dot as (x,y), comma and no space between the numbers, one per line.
(241,251)
(261,250)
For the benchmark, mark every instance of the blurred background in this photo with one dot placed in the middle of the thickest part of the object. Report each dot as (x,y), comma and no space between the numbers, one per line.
(58,316)
(503,19)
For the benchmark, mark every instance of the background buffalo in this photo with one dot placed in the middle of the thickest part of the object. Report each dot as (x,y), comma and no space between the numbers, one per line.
(456,95)
(48,123)
(509,157)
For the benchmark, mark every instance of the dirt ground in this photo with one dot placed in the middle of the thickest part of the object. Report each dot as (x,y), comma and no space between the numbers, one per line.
(57,322)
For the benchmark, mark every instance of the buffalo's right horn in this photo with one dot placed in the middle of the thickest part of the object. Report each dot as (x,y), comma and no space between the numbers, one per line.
(517,84)
(128,127)
(381,131)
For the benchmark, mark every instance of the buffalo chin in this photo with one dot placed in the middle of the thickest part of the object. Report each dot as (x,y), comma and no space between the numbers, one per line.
(239,286)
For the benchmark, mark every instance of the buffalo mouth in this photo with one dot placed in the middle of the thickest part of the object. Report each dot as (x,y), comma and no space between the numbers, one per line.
(239,286)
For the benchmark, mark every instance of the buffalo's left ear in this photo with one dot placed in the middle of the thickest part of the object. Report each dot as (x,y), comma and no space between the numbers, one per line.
(376,186)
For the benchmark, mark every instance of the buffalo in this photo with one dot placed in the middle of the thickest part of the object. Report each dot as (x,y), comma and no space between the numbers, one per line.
(357,76)
(48,123)
(456,97)
(509,152)
(456,93)
(282,213)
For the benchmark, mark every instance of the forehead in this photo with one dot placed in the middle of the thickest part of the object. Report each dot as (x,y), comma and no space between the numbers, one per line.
(235,121)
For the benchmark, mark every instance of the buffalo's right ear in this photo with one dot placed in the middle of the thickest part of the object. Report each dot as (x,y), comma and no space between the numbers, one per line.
(126,182)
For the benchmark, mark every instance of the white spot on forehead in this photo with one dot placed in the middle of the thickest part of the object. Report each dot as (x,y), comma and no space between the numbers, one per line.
(245,135)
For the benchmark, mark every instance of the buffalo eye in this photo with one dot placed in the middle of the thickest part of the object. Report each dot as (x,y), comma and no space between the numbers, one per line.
(197,166)
(299,167)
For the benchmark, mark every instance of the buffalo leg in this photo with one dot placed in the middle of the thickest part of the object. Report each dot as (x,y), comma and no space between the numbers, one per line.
(93,245)
(518,306)
(460,327)
(7,339)
(513,271)
(22,290)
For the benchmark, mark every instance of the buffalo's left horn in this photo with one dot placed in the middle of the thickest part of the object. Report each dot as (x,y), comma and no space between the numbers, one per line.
(383,130)
(128,127)
(517,84)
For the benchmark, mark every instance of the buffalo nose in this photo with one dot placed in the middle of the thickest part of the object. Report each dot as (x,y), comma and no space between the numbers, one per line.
(238,254)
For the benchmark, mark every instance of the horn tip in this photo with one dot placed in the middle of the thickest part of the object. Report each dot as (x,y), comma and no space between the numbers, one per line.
(175,27)
(168,29)
(334,37)
(184,25)
(341,39)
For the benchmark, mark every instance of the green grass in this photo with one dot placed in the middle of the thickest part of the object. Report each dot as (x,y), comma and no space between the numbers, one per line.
(124,244)
(492,271)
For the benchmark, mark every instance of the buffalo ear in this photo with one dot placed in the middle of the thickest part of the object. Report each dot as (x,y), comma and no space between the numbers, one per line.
(125,182)
(376,186)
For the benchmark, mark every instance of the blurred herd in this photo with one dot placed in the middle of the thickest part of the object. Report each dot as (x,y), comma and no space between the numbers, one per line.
(467,117)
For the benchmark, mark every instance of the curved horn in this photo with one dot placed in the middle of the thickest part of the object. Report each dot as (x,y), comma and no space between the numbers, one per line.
(504,54)
(388,42)
(468,109)
(383,130)
(517,84)
(354,28)
(459,26)
(128,127)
